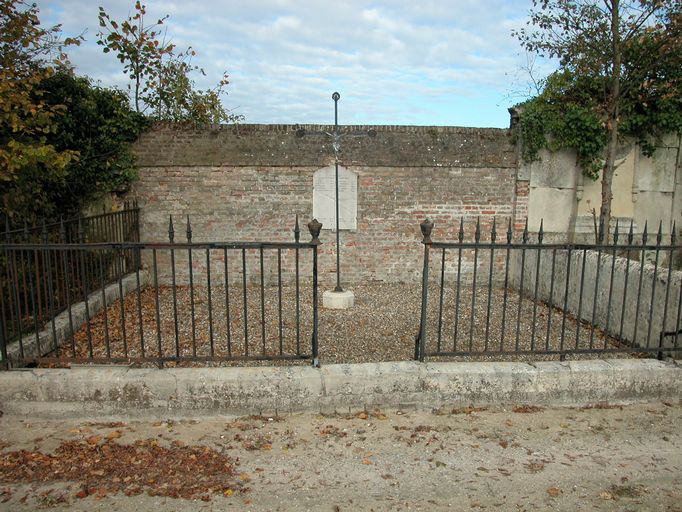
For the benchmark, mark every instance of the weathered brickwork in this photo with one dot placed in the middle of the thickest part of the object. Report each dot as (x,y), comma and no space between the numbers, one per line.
(249,182)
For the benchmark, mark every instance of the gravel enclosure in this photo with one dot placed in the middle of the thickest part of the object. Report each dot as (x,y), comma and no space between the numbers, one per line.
(380,327)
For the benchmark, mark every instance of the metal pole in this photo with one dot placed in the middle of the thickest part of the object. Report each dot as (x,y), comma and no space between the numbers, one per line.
(336,97)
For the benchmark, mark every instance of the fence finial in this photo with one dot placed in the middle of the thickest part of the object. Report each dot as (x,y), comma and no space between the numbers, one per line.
(673,234)
(541,232)
(493,233)
(600,231)
(525,232)
(659,235)
(477,233)
(426,228)
(616,233)
(171,230)
(630,233)
(509,231)
(645,234)
(297,231)
(189,231)
(314,226)
(460,233)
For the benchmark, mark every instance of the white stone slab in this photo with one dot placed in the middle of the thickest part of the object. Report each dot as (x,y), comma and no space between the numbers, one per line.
(324,206)
(338,300)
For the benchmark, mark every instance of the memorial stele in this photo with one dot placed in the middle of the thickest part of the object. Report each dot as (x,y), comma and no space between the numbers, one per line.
(324,207)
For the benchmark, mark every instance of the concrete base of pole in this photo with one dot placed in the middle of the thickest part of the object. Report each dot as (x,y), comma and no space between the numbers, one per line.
(338,300)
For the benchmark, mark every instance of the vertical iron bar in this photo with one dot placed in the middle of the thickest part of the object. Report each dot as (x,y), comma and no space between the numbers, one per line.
(562,355)
(3,311)
(191,288)
(314,227)
(297,235)
(420,346)
(262,299)
(118,254)
(639,287)
(523,272)
(210,305)
(35,298)
(314,340)
(625,287)
(17,301)
(538,255)
(67,286)
(550,304)
(460,238)
(593,322)
(104,304)
(158,307)
(279,297)
(138,291)
(659,235)
(506,283)
(667,288)
(493,237)
(440,303)
(85,299)
(246,312)
(477,239)
(613,269)
(174,286)
(50,291)
(227,302)
(580,300)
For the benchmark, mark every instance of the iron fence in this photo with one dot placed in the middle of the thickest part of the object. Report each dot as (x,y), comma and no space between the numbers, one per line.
(36,285)
(228,306)
(523,297)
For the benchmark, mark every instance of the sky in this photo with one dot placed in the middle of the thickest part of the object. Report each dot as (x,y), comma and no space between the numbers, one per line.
(401,62)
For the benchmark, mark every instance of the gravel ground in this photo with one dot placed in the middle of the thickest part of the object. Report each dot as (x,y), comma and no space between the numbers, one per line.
(524,458)
(380,327)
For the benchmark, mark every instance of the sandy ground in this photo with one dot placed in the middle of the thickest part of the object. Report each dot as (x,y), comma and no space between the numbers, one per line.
(599,458)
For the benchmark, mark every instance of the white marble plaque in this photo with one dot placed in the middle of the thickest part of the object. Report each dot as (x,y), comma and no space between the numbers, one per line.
(324,207)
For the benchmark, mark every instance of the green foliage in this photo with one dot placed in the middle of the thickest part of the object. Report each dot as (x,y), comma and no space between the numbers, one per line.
(29,54)
(160,76)
(99,124)
(62,140)
(579,107)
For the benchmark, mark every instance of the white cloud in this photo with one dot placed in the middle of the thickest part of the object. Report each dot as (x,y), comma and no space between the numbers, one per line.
(397,62)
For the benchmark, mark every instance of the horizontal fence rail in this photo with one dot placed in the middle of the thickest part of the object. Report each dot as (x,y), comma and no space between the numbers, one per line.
(118,226)
(161,303)
(511,297)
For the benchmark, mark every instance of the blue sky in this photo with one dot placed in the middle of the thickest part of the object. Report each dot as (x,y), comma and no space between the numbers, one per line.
(428,62)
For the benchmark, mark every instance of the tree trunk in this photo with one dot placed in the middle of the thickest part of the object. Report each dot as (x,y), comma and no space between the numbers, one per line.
(612,122)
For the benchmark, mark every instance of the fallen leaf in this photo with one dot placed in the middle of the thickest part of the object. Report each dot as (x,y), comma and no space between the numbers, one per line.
(554,491)
(366,462)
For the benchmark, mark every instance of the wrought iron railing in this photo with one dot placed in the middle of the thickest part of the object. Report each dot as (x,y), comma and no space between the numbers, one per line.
(492,298)
(36,285)
(161,303)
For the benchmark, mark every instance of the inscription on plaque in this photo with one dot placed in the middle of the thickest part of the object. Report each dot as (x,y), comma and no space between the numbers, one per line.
(324,207)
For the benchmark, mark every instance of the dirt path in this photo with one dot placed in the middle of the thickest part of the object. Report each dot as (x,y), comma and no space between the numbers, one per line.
(626,458)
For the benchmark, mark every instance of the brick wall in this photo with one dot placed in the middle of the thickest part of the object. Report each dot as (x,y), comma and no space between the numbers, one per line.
(248,182)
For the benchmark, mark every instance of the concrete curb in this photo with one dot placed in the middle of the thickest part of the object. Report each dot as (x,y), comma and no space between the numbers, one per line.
(121,391)
(43,343)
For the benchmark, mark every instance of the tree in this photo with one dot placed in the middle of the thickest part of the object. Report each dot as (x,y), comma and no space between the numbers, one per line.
(29,54)
(619,67)
(99,124)
(161,83)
